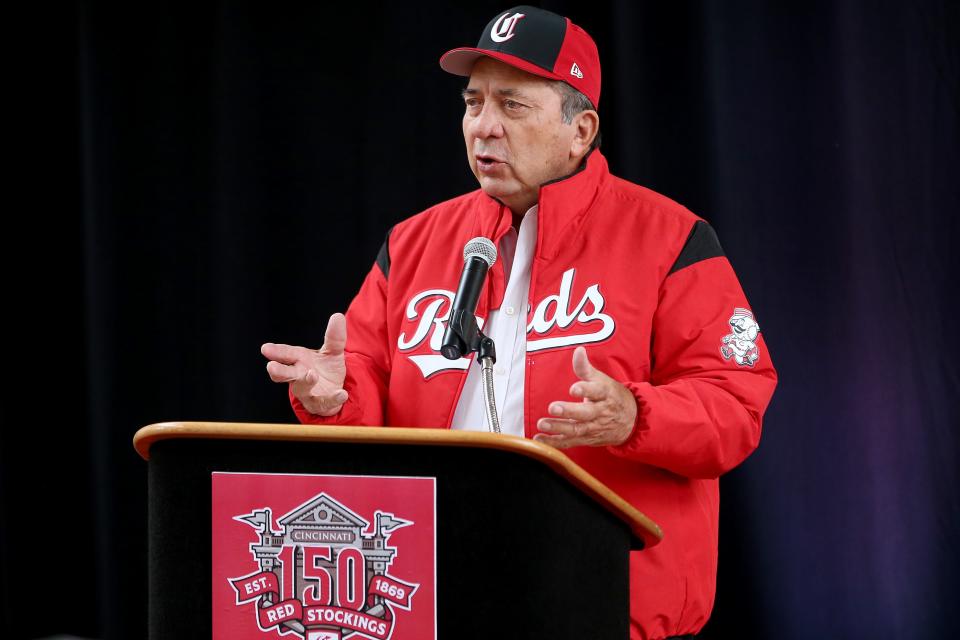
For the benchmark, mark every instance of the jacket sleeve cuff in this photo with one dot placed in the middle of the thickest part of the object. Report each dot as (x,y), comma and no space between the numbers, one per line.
(634,445)
(349,413)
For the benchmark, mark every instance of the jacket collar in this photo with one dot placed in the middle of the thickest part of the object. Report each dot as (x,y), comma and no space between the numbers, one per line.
(564,204)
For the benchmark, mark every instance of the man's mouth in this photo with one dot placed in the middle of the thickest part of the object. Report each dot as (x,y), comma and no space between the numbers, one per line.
(488,162)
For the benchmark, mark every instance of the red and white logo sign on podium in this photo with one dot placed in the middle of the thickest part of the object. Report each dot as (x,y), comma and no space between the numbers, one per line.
(350,557)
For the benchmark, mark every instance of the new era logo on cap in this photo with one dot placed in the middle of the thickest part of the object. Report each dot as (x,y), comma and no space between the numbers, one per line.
(538,42)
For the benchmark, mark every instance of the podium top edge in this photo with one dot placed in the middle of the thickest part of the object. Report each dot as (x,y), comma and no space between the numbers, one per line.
(641,526)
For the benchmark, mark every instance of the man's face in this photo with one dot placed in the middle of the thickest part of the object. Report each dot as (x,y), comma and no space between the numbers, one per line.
(516,139)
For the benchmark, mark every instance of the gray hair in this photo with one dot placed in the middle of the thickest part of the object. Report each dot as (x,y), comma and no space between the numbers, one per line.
(572,103)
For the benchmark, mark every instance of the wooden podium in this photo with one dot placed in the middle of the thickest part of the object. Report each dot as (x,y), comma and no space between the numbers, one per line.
(528,544)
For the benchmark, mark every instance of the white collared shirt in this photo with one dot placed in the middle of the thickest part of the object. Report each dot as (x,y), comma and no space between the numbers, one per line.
(507,326)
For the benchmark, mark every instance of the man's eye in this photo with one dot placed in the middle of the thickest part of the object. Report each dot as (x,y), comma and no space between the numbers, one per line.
(511,104)
(471,102)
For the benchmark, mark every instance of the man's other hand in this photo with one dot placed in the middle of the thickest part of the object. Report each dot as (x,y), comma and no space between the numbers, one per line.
(604,416)
(315,377)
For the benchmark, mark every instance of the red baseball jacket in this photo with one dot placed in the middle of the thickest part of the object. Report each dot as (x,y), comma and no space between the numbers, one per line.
(644,285)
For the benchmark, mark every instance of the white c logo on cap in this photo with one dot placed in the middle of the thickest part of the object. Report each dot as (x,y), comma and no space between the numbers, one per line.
(503,28)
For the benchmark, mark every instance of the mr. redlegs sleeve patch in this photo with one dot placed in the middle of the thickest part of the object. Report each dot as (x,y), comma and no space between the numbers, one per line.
(323,557)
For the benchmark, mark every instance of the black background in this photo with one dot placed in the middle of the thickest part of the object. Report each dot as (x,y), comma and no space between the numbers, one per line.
(188,182)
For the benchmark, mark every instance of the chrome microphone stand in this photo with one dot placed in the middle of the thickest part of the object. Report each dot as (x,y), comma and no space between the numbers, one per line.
(487,356)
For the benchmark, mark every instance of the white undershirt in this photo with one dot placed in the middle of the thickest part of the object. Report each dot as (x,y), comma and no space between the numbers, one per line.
(507,326)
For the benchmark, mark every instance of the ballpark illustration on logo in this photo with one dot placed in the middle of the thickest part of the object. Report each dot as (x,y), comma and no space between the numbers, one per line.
(430,310)
(323,572)
(740,344)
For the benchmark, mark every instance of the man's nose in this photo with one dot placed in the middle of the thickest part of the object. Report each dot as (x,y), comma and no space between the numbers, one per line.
(487,124)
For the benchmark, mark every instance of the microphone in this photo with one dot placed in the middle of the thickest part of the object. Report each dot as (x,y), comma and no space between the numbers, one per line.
(462,335)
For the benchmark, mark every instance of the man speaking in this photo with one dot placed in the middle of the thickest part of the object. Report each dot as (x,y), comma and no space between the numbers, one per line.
(613,310)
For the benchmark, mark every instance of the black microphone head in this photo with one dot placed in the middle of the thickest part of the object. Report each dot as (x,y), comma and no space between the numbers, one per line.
(482,248)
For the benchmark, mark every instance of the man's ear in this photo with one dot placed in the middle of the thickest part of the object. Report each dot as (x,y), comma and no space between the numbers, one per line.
(586,124)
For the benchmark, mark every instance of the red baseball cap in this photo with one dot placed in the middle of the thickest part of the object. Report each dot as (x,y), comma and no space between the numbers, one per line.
(538,42)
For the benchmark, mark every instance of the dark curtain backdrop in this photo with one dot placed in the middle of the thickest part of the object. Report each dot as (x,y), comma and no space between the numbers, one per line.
(200,179)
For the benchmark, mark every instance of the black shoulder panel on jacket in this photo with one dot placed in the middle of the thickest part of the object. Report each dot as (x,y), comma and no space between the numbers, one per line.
(702,243)
(383,257)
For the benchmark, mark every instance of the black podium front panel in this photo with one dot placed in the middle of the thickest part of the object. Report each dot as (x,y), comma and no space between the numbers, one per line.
(521,553)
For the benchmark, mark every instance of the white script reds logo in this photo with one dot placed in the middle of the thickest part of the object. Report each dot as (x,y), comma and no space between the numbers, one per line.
(430,310)
(502,29)
(325,574)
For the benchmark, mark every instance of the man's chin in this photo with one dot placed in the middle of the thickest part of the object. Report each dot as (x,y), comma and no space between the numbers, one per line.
(495,188)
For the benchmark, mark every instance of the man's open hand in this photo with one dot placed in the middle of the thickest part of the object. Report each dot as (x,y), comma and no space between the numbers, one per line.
(315,377)
(604,416)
